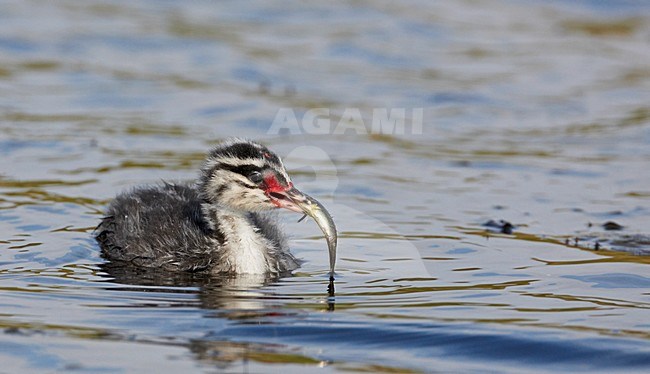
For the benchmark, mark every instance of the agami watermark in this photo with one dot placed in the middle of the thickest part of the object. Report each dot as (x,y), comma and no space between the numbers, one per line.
(319,121)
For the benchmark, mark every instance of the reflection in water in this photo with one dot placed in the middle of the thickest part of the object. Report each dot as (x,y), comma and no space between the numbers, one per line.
(236,296)
(225,354)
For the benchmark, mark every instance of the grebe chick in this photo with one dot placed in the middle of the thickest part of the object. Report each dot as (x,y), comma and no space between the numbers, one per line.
(219,224)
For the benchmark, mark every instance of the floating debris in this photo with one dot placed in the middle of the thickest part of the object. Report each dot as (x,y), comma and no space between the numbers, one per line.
(612,226)
(637,244)
(501,226)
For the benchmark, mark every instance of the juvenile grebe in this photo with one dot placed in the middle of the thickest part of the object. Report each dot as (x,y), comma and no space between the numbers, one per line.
(218,224)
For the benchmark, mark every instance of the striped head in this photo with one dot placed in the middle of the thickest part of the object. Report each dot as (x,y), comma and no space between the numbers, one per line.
(246,176)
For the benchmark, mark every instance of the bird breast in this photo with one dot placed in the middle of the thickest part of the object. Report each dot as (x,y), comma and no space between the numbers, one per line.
(245,249)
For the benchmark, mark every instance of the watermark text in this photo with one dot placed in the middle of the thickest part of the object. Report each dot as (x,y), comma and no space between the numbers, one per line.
(394,121)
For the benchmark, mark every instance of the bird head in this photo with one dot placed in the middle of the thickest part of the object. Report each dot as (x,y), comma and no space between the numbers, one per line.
(246,176)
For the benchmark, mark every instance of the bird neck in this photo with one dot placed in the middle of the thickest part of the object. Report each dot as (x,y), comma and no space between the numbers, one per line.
(244,250)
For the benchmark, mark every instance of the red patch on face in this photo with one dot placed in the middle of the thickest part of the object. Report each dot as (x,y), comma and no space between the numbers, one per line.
(272,184)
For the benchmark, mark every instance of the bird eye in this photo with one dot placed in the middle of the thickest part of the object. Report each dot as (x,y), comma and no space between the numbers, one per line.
(256,177)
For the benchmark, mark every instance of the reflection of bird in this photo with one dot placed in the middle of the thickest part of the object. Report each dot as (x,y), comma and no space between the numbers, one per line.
(218,224)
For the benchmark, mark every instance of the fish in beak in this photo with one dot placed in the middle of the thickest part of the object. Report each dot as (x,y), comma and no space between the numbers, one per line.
(299,202)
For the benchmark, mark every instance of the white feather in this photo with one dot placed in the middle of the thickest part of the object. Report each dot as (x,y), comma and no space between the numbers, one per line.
(245,248)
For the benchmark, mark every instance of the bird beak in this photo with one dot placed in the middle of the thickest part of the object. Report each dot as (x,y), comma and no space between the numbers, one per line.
(300,202)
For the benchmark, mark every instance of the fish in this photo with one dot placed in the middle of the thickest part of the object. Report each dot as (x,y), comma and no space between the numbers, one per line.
(314,209)
(300,202)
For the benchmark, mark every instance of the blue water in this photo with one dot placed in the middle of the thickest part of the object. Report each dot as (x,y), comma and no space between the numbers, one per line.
(533,113)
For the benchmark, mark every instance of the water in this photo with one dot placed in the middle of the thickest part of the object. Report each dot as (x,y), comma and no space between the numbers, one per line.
(534,113)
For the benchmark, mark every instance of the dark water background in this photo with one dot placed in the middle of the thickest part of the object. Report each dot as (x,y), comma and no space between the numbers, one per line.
(536,113)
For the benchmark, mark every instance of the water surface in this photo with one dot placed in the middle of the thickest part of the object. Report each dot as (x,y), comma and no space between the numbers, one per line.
(534,113)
